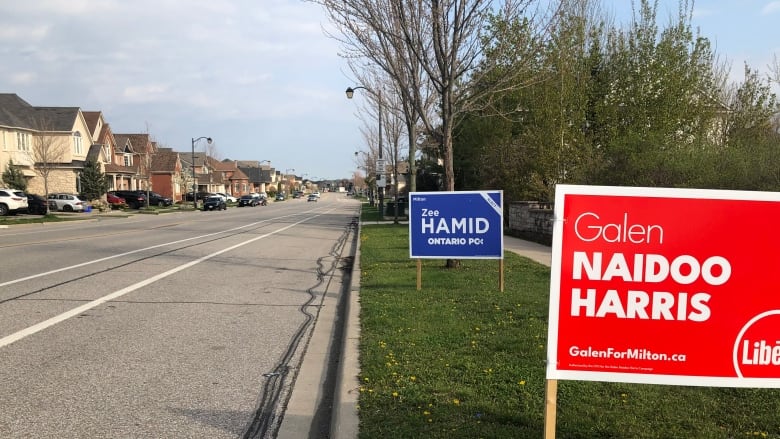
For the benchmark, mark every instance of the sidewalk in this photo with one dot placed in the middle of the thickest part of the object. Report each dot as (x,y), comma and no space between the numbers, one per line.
(537,252)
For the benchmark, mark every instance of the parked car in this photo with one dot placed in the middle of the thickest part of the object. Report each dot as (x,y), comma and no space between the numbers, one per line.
(248,200)
(279,197)
(116,202)
(214,203)
(156,199)
(311,197)
(67,203)
(201,196)
(12,201)
(134,199)
(37,205)
(227,198)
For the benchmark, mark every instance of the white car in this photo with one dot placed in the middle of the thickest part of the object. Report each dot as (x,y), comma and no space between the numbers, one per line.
(228,198)
(12,201)
(66,203)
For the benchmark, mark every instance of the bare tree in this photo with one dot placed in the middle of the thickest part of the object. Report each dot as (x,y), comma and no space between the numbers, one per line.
(371,37)
(47,151)
(212,151)
(443,46)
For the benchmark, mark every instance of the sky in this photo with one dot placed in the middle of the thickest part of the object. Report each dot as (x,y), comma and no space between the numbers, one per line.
(260,77)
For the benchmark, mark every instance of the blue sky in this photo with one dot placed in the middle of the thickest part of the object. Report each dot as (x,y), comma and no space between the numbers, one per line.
(258,76)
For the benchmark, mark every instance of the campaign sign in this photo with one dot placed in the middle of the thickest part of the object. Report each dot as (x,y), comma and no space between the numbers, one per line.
(464,225)
(665,286)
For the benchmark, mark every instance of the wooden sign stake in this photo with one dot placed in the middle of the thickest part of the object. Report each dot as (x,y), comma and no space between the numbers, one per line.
(501,275)
(419,274)
(550,402)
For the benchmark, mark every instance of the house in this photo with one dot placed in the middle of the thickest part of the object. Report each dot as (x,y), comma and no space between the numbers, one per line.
(131,162)
(261,178)
(168,176)
(236,183)
(49,145)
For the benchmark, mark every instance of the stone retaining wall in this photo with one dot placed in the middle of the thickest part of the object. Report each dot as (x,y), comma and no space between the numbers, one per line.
(531,220)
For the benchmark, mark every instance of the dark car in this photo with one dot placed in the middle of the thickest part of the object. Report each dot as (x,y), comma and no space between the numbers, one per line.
(214,203)
(201,196)
(137,198)
(36,205)
(156,199)
(134,199)
(247,200)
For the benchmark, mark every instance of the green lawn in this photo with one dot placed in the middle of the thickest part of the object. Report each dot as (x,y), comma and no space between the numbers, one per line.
(459,359)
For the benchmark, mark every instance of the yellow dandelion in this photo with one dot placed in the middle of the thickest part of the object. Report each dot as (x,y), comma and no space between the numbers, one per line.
(413,378)
(456,401)
(521,382)
(426,413)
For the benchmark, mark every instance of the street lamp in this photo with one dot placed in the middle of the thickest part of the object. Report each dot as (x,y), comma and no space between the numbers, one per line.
(380,172)
(194,179)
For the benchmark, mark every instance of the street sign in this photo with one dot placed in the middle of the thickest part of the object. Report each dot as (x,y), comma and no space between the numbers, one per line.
(665,286)
(463,225)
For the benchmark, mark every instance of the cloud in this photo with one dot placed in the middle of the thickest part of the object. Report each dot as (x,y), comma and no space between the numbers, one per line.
(23,78)
(771,8)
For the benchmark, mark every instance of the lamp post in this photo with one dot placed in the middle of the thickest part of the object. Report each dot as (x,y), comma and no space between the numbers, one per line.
(380,172)
(194,179)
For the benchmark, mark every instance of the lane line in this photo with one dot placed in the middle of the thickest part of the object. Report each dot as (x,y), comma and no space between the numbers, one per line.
(95,261)
(5,341)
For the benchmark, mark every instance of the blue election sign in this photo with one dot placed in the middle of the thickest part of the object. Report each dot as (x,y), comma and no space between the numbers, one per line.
(464,225)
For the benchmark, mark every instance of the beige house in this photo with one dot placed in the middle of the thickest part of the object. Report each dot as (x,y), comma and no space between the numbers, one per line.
(47,144)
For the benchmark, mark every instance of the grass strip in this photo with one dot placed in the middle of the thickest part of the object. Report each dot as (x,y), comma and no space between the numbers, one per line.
(459,359)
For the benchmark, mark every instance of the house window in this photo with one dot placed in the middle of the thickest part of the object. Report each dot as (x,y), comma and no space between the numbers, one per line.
(23,141)
(128,160)
(79,147)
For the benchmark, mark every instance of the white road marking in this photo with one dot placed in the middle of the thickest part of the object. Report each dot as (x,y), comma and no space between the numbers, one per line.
(95,261)
(5,341)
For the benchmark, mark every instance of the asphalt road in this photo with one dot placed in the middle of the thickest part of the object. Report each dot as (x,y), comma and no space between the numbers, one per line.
(191,324)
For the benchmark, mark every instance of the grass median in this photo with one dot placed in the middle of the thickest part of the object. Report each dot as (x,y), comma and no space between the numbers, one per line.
(459,359)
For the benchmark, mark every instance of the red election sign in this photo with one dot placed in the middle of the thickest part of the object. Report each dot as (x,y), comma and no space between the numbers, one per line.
(665,286)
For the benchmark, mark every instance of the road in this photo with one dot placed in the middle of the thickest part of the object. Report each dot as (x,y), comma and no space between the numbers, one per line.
(191,324)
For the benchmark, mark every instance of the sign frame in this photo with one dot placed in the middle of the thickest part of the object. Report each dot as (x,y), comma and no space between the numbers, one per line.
(583,342)
(451,205)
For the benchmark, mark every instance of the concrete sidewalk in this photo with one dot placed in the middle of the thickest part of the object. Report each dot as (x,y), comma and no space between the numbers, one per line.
(531,250)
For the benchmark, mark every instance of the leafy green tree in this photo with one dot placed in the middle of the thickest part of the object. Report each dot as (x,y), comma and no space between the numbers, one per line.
(660,101)
(13,177)
(94,182)
(533,136)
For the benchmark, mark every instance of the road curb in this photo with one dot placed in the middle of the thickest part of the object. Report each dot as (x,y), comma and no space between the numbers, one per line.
(345,420)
